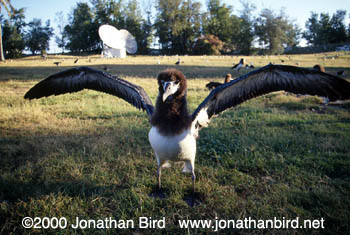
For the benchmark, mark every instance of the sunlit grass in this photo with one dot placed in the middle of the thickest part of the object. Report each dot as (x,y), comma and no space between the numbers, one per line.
(87,154)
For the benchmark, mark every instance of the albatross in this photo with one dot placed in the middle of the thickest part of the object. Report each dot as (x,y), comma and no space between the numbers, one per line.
(173,130)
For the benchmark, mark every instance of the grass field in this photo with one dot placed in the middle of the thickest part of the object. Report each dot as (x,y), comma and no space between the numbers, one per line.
(87,154)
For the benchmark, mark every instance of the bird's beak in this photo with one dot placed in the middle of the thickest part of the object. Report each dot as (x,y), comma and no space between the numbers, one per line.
(169,89)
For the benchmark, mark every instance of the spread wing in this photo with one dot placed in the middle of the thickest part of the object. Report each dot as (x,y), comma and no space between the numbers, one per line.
(267,79)
(77,79)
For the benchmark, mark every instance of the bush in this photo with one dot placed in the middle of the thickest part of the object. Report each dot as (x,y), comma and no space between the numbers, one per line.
(208,45)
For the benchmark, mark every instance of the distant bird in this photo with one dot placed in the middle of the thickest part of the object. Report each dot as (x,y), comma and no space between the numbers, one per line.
(251,66)
(341,73)
(105,68)
(76,61)
(318,67)
(57,63)
(238,66)
(213,85)
(178,62)
(282,61)
(173,130)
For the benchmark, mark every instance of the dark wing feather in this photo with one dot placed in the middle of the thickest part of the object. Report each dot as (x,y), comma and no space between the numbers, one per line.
(77,79)
(268,79)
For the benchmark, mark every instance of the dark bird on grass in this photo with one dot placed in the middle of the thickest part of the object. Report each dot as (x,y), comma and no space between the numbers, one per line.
(213,85)
(178,62)
(251,66)
(341,73)
(57,63)
(318,67)
(76,61)
(174,130)
(238,66)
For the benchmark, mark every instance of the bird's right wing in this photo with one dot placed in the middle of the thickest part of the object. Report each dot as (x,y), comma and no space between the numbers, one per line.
(77,79)
(269,79)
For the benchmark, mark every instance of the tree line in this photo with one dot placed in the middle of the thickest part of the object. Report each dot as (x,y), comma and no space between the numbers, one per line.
(176,27)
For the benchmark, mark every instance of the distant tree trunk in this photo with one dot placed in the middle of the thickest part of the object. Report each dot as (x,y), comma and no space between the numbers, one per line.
(2,58)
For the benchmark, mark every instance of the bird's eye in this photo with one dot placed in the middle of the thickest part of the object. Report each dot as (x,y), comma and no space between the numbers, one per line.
(177,82)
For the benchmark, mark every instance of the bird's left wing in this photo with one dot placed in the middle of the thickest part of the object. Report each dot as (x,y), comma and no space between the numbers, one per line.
(268,79)
(77,79)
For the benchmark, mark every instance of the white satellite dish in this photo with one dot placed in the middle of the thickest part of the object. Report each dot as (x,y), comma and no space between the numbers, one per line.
(110,36)
(130,42)
(118,40)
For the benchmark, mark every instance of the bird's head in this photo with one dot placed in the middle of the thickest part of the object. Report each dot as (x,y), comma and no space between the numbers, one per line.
(172,84)
(228,78)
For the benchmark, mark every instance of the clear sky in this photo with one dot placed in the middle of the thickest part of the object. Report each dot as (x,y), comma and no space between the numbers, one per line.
(298,10)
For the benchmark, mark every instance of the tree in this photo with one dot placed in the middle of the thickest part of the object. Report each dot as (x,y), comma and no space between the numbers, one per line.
(10,9)
(134,22)
(177,25)
(13,29)
(219,22)
(109,12)
(323,29)
(338,29)
(146,39)
(312,29)
(188,28)
(246,33)
(276,32)
(37,38)
(61,39)
(82,31)
(166,22)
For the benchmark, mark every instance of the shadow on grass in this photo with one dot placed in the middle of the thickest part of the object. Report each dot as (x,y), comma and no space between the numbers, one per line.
(122,70)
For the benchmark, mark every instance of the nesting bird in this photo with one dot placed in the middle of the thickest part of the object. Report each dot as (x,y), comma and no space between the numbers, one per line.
(173,130)
(318,67)
(238,66)
(251,66)
(213,85)
(341,73)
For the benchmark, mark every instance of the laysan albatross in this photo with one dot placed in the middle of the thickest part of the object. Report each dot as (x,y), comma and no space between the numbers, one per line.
(173,130)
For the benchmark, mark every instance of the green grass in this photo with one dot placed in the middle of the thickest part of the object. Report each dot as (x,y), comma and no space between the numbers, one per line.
(87,154)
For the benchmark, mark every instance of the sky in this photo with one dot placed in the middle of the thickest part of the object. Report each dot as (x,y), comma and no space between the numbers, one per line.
(298,10)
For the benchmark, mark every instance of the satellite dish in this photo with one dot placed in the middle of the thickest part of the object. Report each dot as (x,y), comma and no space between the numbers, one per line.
(117,39)
(110,36)
(130,42)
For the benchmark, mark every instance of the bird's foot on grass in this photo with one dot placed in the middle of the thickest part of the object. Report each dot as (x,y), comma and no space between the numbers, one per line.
(157,193)
(193,199)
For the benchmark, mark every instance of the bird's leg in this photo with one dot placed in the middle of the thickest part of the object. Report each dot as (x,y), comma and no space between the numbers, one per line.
(157,193)
(193,182)
(158,178)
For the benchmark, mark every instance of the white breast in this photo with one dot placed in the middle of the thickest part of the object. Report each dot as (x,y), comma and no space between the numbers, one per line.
(180,147)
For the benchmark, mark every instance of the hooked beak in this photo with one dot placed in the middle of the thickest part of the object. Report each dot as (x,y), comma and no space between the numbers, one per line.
(169,89)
